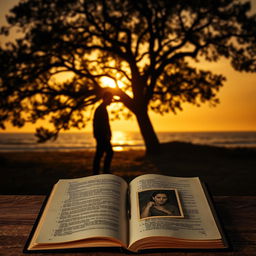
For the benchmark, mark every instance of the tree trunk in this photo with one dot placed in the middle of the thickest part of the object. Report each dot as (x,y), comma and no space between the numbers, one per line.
(147,132)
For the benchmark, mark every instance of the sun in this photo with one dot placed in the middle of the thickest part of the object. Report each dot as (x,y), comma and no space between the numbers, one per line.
(109,82)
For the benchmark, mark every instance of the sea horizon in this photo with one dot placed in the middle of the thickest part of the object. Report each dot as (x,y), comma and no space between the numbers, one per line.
(124,140)
(160,131)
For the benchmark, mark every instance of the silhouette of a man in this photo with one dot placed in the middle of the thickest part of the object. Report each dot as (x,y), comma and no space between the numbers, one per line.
(102,134)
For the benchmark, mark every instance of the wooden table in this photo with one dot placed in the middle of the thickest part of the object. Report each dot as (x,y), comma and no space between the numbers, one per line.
(237,213)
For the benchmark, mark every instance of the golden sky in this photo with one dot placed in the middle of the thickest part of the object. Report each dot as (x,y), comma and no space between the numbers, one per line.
(236,111)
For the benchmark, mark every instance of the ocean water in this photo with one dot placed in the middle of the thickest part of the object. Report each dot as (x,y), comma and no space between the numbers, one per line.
(123,140)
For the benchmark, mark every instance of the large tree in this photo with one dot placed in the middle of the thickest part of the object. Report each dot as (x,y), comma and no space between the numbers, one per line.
(146,44)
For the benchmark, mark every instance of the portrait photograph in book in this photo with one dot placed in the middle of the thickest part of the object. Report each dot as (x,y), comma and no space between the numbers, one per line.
(160,203)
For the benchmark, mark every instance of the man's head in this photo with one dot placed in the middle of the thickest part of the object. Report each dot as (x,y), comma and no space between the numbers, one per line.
(107,98)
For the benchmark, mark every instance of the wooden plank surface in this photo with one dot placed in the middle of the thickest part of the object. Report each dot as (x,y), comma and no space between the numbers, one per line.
(237,214)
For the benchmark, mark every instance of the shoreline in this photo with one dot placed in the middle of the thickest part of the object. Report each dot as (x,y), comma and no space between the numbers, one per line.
(125,140)
(227,171)
(120,148)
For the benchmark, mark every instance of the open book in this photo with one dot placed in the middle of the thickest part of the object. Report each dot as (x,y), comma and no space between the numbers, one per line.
(153,211)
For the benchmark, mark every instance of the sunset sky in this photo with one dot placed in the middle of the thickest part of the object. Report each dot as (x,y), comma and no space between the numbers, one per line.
(236,111)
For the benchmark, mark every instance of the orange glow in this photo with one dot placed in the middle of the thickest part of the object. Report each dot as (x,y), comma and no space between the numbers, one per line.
(118,148)
(120,138)
(236,111)
(109,82)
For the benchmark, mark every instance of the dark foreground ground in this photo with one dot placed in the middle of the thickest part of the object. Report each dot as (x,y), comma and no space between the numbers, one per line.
(226,171)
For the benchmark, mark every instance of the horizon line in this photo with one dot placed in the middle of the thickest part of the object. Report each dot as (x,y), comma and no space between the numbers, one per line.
(160,131)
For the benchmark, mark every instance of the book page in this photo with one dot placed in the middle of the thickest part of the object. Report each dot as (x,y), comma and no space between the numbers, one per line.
(197,221)
(85,208)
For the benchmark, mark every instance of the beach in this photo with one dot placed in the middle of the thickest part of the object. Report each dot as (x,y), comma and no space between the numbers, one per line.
(226,171)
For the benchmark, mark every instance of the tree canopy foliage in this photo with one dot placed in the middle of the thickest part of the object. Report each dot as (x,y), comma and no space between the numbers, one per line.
(54,69)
